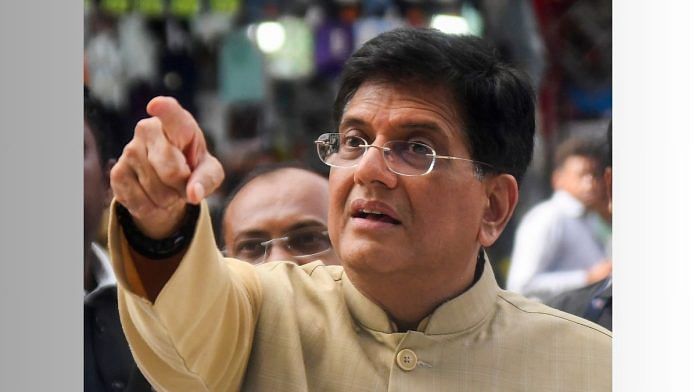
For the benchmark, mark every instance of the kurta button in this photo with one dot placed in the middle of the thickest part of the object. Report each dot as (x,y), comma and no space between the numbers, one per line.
(406,359)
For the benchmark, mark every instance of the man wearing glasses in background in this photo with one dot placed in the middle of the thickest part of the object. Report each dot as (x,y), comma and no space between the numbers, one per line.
(433,134)
(279,212)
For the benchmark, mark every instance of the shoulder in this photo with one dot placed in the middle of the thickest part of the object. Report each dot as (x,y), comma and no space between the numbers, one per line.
(545,341)
(549,324)
(307,299)
(312,276)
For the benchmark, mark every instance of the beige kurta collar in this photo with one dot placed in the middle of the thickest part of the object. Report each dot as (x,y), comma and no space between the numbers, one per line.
(456,315)
(364,311)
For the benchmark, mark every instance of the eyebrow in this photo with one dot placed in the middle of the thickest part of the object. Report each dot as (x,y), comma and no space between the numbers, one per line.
(412,125)
(422,126)
(305,224)
(252,234)
(352,122)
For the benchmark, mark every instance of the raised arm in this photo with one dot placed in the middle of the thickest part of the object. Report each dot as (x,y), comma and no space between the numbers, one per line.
(164,167)
(189,318)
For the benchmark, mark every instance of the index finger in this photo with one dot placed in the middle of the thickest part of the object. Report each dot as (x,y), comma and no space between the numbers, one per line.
(178,124)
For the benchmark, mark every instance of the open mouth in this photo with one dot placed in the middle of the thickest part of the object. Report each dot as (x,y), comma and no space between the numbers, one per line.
(375,216)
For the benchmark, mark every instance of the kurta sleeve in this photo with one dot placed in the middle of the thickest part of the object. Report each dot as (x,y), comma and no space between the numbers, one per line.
(197,335)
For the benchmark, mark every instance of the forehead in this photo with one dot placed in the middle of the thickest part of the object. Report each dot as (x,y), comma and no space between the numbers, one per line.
(277,201)
(402,107)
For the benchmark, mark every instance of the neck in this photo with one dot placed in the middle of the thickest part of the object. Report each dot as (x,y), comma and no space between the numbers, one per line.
(408,299)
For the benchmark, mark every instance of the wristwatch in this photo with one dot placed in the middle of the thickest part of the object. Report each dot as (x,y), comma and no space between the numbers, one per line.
(163,248)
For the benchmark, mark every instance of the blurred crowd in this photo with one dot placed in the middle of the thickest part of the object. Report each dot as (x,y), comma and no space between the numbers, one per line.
(260,76)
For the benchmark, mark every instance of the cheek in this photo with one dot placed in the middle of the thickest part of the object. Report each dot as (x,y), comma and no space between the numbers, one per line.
(449,216)
(435,217)
(340,184)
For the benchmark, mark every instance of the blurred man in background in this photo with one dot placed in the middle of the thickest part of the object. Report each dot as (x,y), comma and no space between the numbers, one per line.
(593,302)
(108,362)
(556,245)
(279,212)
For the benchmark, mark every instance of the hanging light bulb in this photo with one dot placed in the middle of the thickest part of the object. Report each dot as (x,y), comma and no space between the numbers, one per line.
(270,36)
(450,24)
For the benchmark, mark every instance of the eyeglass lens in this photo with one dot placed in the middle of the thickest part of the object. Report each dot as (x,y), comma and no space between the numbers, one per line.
(301,242)
(410,158)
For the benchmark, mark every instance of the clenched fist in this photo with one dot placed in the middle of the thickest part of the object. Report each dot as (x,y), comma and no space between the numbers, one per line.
(165,166)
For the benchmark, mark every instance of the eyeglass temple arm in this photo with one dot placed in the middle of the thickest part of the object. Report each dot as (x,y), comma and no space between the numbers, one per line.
(450,158)
(284,239)
(272,240)
(460,159)
(302,257)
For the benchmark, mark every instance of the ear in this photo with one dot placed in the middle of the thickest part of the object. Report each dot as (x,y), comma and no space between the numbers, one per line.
(502,195)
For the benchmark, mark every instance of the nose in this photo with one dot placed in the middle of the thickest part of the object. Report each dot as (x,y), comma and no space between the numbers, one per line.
(277,252)
(373,168)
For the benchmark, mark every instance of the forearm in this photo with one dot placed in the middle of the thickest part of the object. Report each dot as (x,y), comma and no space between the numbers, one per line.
(197,333)
(152,262)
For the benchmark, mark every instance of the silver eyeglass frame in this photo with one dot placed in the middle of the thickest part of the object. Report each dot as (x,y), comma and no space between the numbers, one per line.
(365,146)
(269,243)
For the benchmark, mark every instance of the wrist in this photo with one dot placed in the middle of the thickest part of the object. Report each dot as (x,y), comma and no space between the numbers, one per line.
(159,248)
(161,223)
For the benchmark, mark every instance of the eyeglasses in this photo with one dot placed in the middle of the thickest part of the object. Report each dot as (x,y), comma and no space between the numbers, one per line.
(402,157)
(301,244)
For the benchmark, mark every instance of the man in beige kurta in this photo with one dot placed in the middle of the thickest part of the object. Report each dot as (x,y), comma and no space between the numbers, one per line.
(433,135)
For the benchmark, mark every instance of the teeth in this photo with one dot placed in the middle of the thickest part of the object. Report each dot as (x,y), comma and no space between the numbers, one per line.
(370,212)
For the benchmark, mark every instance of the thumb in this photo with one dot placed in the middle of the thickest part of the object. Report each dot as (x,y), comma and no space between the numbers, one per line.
(205,179)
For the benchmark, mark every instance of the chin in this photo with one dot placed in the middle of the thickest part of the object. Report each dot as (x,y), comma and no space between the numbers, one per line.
(372,258)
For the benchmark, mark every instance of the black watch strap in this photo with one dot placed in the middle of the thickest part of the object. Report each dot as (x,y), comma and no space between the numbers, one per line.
(163,248)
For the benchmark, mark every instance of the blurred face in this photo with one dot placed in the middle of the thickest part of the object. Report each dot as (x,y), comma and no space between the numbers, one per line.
(577,177)
(95,188)
(286,203)
(384,223)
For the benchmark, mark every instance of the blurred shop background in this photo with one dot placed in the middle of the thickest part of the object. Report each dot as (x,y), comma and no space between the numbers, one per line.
(260,75)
